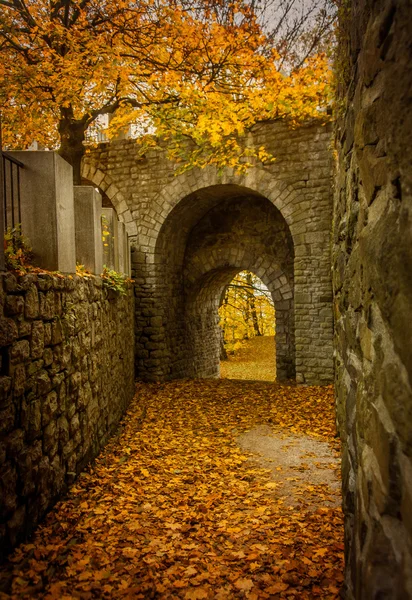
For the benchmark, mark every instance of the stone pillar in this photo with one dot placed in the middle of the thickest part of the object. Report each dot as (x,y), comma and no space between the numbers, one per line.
(285,341)
(110,232)
(47,209)
(87,212)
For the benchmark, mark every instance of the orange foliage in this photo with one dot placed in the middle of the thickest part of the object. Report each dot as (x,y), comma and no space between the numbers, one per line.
(202,74)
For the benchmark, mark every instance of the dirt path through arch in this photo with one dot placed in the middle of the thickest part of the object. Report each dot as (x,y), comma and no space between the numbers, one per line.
(177,506)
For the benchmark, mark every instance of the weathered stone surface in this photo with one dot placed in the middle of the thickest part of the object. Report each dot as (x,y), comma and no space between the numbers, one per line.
(372,266)
(49,408)
(162,216)
(5,386)
(43,396)
(24,329)
(8,484)
(37,339)
(50,438)
(7,419)
(19,380)
(14,305)
(31,309)
(20,351)
(8,331)
(56,332)
(46,305)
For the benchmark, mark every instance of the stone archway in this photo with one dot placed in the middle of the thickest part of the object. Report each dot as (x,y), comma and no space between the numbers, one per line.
(104,183)
(204,240)
(203,330)
(161,209)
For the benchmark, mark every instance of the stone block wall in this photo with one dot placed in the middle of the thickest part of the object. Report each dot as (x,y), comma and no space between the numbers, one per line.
(67,375)
(160,210)
(372,280)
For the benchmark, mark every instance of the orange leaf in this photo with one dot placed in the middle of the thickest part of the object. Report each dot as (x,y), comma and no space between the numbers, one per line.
(244,584)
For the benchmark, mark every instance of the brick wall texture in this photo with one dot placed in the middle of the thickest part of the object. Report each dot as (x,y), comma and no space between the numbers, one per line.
(372,279)
(66,378)
(193,232)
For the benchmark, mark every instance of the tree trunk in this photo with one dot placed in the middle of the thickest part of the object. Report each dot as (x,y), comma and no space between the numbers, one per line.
(223,353)
(251,302)
(72,136)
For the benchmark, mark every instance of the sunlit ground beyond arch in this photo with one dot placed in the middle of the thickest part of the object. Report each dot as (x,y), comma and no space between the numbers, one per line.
(247,321)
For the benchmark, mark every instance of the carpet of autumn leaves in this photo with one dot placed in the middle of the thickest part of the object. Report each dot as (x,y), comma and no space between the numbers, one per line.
(256,360)
(174,509)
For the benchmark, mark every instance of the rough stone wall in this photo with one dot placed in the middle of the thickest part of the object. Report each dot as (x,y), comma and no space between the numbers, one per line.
(160,210)
(67,375)
(372,278)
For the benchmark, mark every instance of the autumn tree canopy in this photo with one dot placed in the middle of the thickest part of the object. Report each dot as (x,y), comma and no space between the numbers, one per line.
(198,73)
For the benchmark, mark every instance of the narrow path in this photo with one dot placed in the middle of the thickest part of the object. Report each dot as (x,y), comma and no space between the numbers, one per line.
(255,360)
(177,507)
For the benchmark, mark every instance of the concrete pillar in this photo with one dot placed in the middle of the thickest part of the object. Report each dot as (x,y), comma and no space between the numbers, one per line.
(110,233)
(2,200)
(47,209)
(121,243)
(87,214)
(128,271)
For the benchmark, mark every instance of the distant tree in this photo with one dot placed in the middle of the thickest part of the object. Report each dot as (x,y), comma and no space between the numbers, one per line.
(246,310)
(197,73)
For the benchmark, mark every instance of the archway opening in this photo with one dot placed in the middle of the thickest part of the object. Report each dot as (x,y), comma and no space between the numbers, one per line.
(248,326)
(205,241)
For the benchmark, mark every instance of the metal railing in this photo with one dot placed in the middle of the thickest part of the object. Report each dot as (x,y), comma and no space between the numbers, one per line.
(10,195)
(11,189)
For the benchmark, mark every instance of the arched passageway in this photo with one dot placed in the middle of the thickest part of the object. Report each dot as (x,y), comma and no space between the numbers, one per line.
(167,217)
(205,241)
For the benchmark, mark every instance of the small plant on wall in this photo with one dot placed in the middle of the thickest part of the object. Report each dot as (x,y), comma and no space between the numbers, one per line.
(115,281)
(17,250)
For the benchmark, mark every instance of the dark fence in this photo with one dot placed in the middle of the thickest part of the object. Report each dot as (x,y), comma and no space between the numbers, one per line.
(11,189)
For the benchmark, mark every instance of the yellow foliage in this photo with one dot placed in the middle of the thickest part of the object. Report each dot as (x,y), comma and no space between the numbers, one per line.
(247,310)
(199,79)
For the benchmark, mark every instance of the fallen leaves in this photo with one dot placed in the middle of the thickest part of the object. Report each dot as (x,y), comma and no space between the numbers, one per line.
(245,585)
(188,515)
(255,360)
